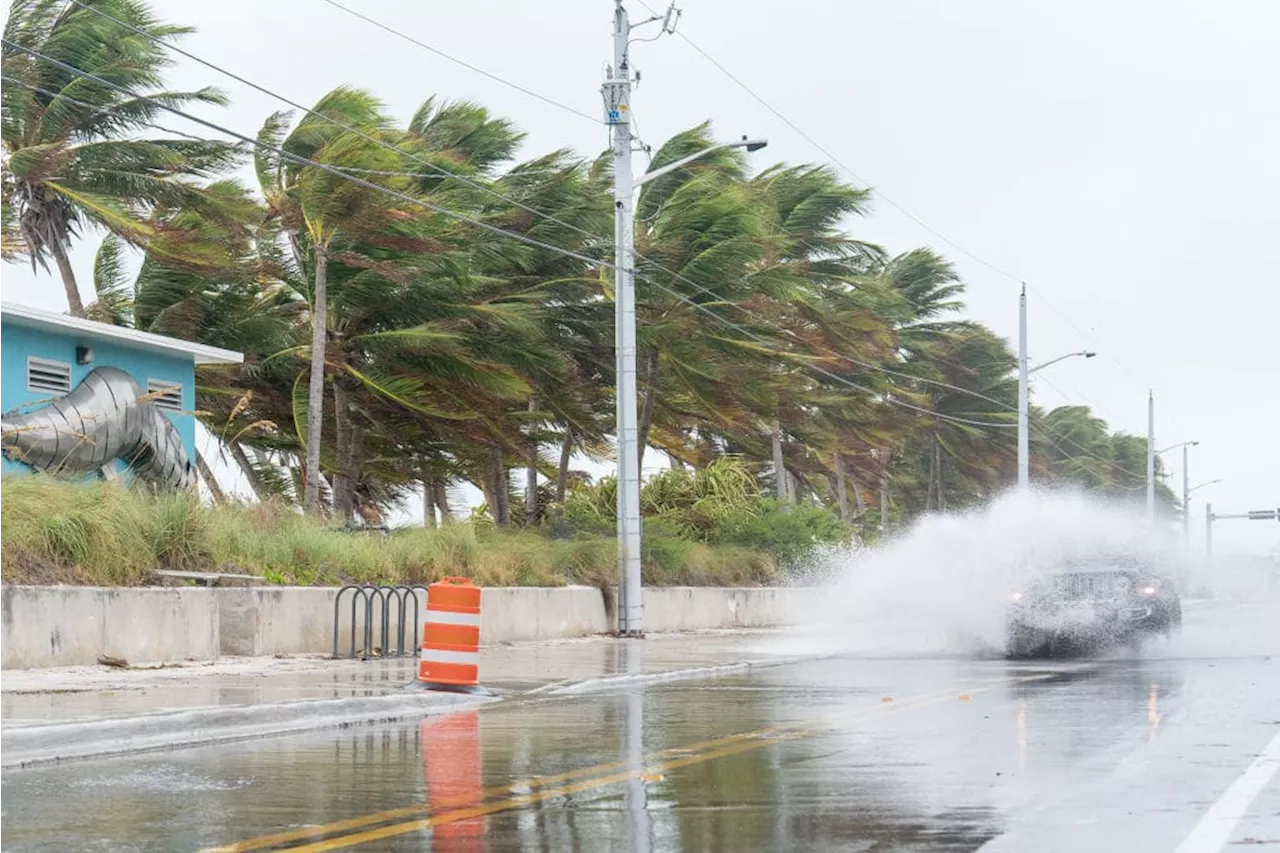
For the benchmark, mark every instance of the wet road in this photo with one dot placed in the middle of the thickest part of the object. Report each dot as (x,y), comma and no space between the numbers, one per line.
(1176,751)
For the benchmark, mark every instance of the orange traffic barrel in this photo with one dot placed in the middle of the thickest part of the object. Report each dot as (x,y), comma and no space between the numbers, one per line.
(454,780)
(450,657)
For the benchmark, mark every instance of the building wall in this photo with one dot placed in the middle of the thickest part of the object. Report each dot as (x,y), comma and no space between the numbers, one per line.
(19,341)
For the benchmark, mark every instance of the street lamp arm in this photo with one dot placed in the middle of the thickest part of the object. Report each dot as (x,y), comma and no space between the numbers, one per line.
(1202,485)
(1176,446)
(749,144)
(1083,353)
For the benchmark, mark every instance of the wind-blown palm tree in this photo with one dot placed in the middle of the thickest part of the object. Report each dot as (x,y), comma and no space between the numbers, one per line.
(71,153)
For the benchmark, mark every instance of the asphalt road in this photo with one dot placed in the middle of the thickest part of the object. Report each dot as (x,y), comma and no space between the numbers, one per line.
(1174,751)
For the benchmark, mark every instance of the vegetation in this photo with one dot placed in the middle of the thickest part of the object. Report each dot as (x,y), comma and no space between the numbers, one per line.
(104,534)
(395,343)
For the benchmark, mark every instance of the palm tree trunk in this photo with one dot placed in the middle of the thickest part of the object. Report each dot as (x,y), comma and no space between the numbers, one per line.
(343,491)
(933,477)
(355,460)
(779,466)
(428,502)
(68,278)
(209,480)
(884,490)
(315,396)
(501,506)
(442,500)
(562,475)
(842,491)
(937,457)
(650,397)
(531,471)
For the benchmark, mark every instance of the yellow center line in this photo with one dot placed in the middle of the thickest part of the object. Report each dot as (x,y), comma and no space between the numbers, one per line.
(536,782)
(706,751)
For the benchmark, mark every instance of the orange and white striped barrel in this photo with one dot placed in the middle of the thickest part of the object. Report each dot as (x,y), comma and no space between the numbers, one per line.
(451,635)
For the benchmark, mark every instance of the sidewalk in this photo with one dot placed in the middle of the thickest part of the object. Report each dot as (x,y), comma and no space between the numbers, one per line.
(74,712)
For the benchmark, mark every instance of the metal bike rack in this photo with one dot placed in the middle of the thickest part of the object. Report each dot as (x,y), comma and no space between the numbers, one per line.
(380,603)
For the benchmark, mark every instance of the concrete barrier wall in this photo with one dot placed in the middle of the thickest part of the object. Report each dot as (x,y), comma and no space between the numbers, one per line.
(684,608)
(64,626)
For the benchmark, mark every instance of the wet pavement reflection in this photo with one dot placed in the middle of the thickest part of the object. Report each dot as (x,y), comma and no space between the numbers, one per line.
(832,754)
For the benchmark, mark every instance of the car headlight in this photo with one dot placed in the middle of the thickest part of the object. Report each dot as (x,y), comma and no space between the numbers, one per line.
(1148,590)
(1015,596)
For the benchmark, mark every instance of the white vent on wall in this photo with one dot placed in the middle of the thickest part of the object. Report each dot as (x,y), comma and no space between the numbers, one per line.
(53,377)
(166,395)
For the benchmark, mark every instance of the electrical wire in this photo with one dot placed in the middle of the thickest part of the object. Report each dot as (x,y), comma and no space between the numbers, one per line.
(475,184)
(881,194)
(522,238)
(462,62)
(484,226)
(339,170)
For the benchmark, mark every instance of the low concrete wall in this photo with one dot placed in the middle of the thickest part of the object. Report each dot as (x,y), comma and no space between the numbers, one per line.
(685,608)
(63,626)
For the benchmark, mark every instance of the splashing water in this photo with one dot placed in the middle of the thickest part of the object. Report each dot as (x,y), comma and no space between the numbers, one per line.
(941,587)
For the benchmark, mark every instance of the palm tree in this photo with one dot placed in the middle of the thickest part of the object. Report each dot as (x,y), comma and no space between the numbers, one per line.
(71,154)
(699,232)
(324,216)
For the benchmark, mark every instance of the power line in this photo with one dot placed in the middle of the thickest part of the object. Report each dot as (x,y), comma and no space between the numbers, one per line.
(452,214)
(522,238)
(1062,437)
(820,147)
(338,123)
(475,184)
(519,237)
(462,62)
(879,192)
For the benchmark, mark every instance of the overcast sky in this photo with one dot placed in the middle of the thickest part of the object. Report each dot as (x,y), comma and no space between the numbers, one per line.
(1122,158)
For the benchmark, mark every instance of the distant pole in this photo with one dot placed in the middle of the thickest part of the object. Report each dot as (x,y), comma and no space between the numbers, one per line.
(1208,531)
(1186,501)
(618,112)
(1024,398)
(1151,456)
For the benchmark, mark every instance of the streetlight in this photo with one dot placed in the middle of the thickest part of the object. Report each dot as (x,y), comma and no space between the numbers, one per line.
(1202,485)
(1186,488)
(749,144)
(1024,391)
(1084,353)
(617,108)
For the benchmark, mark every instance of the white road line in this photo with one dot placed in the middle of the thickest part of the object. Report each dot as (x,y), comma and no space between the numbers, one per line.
(1214,829)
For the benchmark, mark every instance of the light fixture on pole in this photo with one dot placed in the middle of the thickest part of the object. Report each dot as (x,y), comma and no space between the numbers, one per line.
(617,108)
(1024,391)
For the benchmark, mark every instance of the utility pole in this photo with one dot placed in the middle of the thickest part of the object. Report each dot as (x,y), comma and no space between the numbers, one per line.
(617,99)
(1151,456)
(1208,532)
(1024,397)
(1186,499)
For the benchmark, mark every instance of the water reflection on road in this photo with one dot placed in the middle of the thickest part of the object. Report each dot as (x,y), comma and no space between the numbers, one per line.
(914,754)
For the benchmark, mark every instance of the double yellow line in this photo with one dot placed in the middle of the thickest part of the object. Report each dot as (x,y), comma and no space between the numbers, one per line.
(599,776)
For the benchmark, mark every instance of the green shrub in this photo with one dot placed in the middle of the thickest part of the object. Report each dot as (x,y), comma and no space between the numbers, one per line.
(789,533)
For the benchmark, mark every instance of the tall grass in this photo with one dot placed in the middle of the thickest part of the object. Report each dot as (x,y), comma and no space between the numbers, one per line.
(106,534)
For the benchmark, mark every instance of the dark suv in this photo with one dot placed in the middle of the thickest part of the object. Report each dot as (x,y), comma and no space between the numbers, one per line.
(1087,611)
